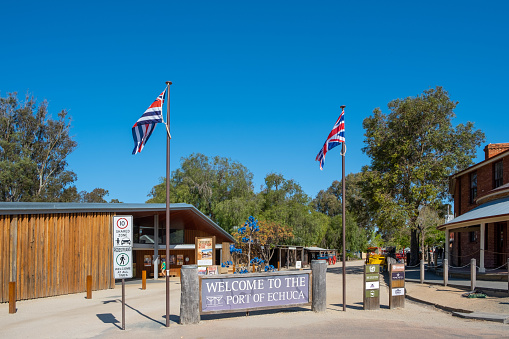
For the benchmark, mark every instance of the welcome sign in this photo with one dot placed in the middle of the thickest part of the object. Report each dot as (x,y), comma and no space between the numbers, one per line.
(237,292)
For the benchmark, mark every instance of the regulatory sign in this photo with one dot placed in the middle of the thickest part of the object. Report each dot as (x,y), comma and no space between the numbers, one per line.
(398,291)
(123,230)
(122,262)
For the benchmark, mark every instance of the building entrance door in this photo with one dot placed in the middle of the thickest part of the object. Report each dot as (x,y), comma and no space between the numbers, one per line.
(501,243)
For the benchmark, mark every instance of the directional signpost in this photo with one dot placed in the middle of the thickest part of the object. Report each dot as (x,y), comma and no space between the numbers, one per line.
(371,287)
(397,295)
(123,252)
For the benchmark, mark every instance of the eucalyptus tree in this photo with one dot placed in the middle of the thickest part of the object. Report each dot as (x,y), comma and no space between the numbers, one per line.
(413,149)
(33,152)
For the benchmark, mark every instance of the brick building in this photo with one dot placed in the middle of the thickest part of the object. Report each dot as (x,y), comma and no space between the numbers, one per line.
(481,211)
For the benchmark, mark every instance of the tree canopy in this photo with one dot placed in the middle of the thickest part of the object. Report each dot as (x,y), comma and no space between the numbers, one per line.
(33,151)
(413,149)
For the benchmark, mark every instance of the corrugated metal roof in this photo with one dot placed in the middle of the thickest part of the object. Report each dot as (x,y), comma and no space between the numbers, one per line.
(12,208)
(491,209)
(66,207)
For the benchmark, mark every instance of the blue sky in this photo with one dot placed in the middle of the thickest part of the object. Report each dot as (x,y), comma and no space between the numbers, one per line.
(259,82)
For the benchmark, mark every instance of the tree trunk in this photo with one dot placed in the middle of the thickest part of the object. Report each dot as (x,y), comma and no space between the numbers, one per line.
(414,248)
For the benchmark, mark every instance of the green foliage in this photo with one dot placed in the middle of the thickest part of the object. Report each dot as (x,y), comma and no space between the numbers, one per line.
(33,151)
(97,195)
(284,202)
(413,150)
(355,239)
(219,187)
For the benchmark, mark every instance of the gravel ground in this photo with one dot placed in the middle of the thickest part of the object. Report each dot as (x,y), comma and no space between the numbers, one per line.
(73,316)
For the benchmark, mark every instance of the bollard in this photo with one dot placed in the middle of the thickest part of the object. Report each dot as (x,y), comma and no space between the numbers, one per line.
(89,287)
(12,297)
(143,280)
(319,271)
(279,266)
(472,274)
(189,295)
(445,263)
(507,275)
(422,271)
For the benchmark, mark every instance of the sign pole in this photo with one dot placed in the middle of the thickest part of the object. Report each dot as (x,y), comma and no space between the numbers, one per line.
(168,137)
(343,151)
(122,253)
(123,304)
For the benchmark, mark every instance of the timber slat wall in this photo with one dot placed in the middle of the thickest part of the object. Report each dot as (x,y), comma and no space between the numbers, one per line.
(52,254)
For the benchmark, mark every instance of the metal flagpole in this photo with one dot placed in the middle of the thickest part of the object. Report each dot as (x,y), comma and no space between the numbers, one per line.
(343,151)
(167,262)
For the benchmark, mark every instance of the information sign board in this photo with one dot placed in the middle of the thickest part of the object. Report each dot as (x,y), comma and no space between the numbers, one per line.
(242,292)
(372,293)
(398,291)
(398,275)
(372,268)
(372,285)
(398,267)
(372,277)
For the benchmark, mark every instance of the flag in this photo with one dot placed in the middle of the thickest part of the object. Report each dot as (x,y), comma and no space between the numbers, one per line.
(145,125)
(336,136)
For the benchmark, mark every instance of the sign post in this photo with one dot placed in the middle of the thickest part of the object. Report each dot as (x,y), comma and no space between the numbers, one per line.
(123,253)
(397,295)
(371,295)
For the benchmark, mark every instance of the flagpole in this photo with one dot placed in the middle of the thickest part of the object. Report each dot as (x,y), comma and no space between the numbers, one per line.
(167,262)
(343,151)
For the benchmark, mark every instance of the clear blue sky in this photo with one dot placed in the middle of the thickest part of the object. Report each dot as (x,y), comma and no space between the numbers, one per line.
(259,82)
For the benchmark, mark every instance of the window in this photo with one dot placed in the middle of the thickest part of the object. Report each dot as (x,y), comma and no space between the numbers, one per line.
(498,174)
(473,236)
(473,187)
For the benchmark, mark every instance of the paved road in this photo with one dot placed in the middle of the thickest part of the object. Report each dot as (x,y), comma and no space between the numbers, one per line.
(73,316)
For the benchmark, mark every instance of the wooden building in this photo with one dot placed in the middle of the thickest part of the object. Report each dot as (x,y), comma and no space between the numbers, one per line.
(50,248)
(481,212)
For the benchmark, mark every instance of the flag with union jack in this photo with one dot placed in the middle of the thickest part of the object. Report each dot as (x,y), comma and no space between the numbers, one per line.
(145,125)
(336,136)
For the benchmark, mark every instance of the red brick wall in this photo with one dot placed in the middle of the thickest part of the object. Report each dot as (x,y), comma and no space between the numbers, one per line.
(494,149)
(484,186)
(462,257)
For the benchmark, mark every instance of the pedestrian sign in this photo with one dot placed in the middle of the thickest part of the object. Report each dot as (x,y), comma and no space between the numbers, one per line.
(122,262)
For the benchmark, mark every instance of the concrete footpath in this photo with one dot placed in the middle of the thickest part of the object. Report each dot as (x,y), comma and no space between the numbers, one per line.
(74,316)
